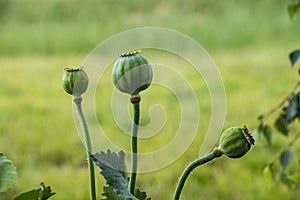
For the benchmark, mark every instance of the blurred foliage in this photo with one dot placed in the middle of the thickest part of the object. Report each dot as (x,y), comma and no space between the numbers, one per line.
(287,112)
(65,26)
(293,7)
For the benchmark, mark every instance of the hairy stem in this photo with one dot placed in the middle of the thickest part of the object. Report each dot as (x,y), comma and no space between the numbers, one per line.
(190,168)
(134,141)
(85,129)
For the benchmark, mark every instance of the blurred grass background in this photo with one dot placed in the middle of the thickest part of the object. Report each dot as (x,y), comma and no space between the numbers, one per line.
(249,41)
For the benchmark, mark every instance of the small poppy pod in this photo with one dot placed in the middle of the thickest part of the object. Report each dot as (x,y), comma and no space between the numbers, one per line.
(235,142)
(75,81)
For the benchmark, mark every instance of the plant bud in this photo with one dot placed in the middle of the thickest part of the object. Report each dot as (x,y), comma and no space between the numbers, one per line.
(75,81)
(132,73)
(235,142)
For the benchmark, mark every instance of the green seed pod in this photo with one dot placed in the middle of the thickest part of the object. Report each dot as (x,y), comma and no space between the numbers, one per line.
(132,73)
(75,81)
(235,142)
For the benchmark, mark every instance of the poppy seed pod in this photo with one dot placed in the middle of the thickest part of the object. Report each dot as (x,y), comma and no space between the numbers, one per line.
(235,142)
(132,73)
(75,81)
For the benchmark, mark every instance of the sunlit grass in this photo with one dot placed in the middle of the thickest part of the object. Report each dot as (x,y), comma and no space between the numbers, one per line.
(61,27)
(38,133)
(249,42)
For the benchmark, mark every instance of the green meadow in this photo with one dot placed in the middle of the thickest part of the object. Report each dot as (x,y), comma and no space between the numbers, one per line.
(248,41)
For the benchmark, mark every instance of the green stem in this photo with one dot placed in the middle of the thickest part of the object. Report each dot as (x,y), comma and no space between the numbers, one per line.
(190,168)
(296,137)
(266,116)
(134,141)
(289,146)
(77,101)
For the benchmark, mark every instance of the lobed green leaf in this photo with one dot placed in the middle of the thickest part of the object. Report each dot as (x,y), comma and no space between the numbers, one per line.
(110,194)
(43,193)
(141,195)
(8,174)
(114,171)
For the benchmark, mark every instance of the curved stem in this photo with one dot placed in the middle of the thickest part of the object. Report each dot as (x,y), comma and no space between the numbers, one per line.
(85,129)
(134,142)
(190,168)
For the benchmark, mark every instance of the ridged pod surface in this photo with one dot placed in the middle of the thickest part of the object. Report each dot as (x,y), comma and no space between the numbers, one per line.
(132,73)
(235,142)
(75,81)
